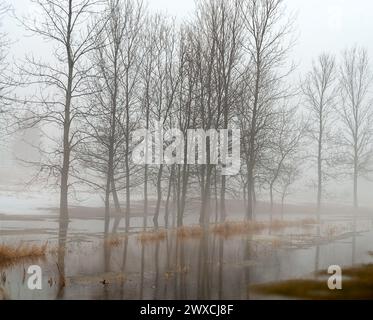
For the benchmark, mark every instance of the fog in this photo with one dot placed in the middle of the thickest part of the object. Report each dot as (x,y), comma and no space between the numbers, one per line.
(321,26)
(83,86)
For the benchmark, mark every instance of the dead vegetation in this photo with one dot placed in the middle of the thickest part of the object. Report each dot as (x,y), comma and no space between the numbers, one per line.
(357,284)
(230,228)
(13,254)
(115,240)
(3,294)
(152,236)
(189,232)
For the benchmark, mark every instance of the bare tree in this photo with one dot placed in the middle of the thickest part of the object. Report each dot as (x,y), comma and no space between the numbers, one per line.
(228,35)
(60,88)
(61,83)
(105,144)
(186,113)
(131,58)
(356,114)
(288,177)
(267,44)
(209,106)
(283,147)
(6,82)
(320,91)
(218,35)
(114,106)
(165,85)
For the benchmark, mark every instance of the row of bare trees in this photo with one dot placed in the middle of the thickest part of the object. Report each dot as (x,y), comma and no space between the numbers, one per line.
(116,68)
(339,103)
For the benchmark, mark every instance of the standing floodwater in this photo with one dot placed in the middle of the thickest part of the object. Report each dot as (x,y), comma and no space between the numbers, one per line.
(221,262)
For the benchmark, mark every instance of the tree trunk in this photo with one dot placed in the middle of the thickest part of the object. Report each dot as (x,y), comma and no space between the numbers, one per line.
(250,185)
(64,214)
(223,209)
(204,215)
(127,161)
(145,221)
(356,203)
(271,198)
(118,208)
(159,197)
(107,206)
(167,209)
(319,170)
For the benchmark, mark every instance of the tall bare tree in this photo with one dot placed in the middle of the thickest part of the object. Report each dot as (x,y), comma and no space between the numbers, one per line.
(320,92)
(61,81)
(356,114)
(102,151)
(267,43)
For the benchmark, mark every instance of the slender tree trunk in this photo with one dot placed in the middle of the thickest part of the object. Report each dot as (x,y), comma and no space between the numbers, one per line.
(271,198)
(250,185)
(216,197)
(146,169)
(127,163)
(184,189)
(319,169)
(64,214)
(356,203)
(178,198)
(159,197)
(167,210)
(118,208)
(282,207)
(223,209)
(107,206)
(145,222)
(204,215)
(252,140)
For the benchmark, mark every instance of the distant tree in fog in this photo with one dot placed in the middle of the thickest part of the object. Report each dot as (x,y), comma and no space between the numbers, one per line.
(356,113)
(290,174)
(283,150)
(320,92)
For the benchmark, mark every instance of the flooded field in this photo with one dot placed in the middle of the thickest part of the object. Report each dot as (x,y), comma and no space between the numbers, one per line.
(218,262)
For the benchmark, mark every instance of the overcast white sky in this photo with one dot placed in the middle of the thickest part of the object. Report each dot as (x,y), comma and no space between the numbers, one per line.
(322,25)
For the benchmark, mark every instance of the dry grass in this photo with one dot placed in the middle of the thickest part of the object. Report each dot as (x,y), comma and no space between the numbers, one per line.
(115,240)
(183,270)
(189,232)
(152,236)
(13,254)
(3,295)
(230,228)
(357,284)
(276,243)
